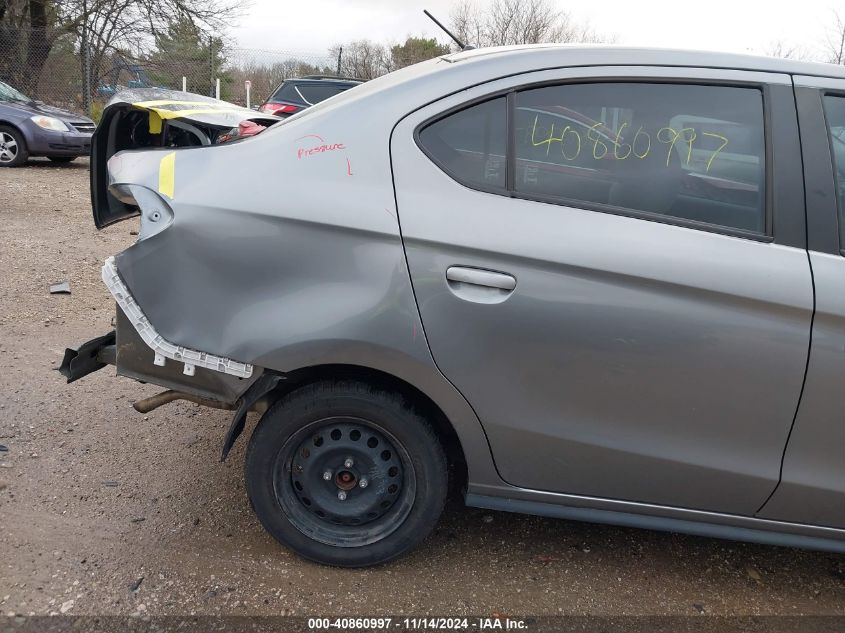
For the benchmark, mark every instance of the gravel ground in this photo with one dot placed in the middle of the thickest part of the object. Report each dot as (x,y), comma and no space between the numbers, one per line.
(107,511)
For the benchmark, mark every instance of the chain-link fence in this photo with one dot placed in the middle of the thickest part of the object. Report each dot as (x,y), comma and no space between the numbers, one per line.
(54,70)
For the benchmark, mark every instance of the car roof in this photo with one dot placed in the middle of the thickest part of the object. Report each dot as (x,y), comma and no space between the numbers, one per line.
(320,80)
(413,86)
(558,55)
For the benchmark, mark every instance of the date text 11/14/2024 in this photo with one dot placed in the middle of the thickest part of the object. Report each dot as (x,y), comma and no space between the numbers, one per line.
(419,623)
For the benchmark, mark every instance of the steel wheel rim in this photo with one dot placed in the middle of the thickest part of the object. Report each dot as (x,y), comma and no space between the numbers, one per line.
(8,148)
(363,514)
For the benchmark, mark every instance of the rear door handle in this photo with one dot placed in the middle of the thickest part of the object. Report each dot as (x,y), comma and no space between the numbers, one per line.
(479,277)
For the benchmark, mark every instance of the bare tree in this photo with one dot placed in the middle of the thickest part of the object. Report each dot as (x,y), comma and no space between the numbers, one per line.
(266,70)
(835,44)
(29,29)
(786,50)
(467,23)
(508,22)
(363,59)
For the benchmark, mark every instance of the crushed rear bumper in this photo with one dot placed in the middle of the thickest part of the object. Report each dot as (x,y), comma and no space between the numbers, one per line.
(139,352)
(124,348)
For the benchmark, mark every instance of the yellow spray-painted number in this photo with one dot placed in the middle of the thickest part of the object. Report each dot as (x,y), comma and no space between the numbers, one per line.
(721,147)
(547,142)
(639,147)
(686,135)
(595,137)
(560,139)
(640,133)
(167,174)
(618,143)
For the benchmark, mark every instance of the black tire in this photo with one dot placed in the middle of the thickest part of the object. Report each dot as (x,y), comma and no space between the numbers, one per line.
(62,159)
(319,428)
(14,153)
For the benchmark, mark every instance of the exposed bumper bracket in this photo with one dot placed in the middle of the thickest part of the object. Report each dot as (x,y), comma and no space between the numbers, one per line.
(161,347)
(91,356)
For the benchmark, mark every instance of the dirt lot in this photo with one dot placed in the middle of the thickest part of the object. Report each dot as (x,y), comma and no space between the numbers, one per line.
(107,511)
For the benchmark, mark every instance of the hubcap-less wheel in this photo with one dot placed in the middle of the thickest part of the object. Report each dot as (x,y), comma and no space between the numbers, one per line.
(8,148)
(346,473)
(344,481)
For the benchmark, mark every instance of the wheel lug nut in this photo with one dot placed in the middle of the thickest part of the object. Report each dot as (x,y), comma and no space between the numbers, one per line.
(341,495)
(363,482)
(327,475)
(348,463)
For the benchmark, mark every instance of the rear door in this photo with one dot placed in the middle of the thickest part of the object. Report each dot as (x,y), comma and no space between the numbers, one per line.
(813,482)
(612,271)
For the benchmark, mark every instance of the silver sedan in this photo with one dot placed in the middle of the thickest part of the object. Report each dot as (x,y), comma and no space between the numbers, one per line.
(603,284)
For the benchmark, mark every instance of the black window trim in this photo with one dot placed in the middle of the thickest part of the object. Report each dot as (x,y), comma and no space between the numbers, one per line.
(510,153)
(836,192)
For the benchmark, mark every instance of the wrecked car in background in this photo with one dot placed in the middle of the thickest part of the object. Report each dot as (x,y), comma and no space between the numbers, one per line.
(594,291)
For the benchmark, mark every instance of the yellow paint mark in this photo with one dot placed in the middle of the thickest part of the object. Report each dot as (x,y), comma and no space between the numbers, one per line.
(167,174)
(179,114)
(155,122)
(167,102)
(161,110)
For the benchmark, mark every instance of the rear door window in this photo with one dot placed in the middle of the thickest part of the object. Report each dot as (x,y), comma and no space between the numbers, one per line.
(683,153)
(690,152)
(470,145)
(835,113)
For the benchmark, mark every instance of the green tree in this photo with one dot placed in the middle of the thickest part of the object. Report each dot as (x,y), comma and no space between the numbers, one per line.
(415,50)
(184,50)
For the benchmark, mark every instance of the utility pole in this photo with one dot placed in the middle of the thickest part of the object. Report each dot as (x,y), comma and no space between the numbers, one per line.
(211,65)
(85,50)
(339,56)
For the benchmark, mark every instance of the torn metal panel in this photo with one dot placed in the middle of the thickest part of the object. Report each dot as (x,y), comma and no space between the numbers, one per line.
(157,118)
(172,104)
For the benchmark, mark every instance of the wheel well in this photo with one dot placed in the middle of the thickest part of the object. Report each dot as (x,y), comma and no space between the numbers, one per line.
(17,129)
(416,398)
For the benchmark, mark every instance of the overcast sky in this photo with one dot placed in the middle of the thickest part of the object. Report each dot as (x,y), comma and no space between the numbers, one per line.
(728,25)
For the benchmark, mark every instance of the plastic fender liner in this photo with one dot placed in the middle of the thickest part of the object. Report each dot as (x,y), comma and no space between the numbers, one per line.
(260,388)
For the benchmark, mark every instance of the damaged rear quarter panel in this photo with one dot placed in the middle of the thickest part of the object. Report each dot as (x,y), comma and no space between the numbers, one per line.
(284,251)
(272,249)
